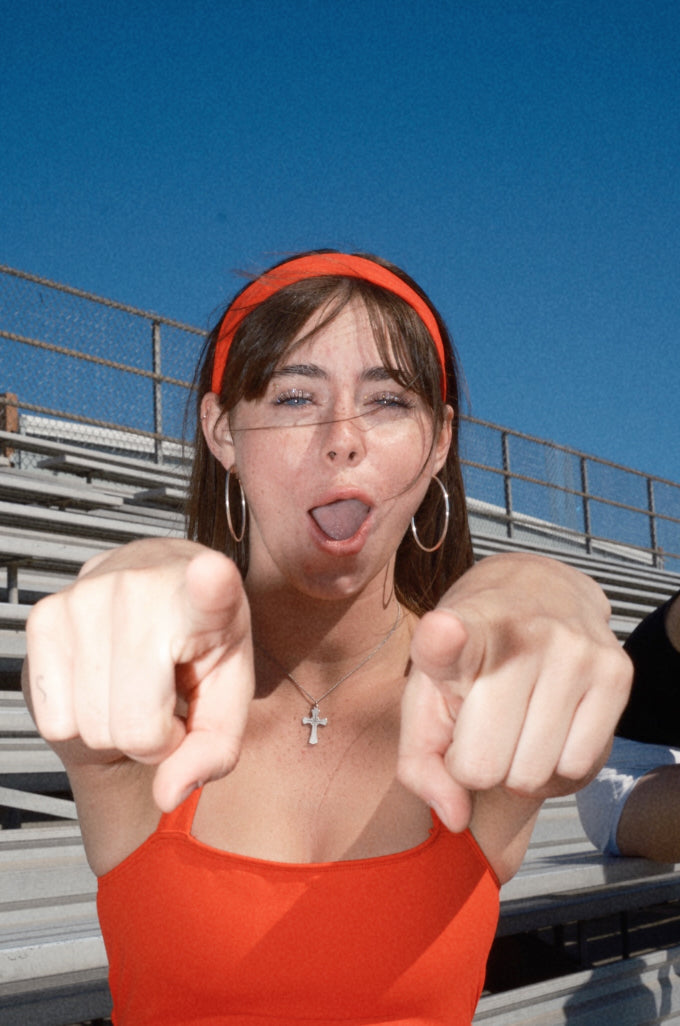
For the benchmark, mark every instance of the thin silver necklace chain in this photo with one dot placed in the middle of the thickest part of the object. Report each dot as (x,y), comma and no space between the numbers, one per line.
(313,721)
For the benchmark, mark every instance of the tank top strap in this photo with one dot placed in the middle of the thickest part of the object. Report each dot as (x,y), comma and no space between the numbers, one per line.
(180,820)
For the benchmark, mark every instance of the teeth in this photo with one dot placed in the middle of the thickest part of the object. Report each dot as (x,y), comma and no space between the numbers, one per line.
(342,519)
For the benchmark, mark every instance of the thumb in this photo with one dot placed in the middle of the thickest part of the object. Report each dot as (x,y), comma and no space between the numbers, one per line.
(202,756)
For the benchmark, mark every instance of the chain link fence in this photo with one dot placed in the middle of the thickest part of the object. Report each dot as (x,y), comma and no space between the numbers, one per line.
(534,491)
(95,365)
(79,368)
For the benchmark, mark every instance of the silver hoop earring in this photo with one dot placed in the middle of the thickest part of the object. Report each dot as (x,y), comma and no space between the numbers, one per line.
(440,542)
(237,537)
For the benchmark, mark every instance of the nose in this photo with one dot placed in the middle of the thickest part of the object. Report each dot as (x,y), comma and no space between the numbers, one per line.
(344,441)
(351,455)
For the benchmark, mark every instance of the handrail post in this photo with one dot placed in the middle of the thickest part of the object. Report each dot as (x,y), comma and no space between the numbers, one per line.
(507,482)
(652,523)
(9,420)
(12,582)
(157,390)
(587,527)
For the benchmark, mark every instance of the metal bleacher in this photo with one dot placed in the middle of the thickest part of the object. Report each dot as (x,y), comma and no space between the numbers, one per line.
(70,503)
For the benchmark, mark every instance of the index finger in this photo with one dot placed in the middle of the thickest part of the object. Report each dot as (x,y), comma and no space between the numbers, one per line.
(215,726)
(446,647)
(426,735)
(218,685)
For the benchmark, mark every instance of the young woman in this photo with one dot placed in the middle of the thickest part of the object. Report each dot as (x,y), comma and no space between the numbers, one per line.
(348,730)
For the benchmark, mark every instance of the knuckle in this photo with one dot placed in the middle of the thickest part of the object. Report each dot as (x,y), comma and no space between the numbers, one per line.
(96,736)
(222,750)
(91,564)
(408,772)
(92,722)
(42,616)
(83,602)
(476,770)
(622,670)
(140,738)
(612,671)
(52,709)
(128,585)
(526,783)
(227,760)
(478,777)
(577,770)
(55,725)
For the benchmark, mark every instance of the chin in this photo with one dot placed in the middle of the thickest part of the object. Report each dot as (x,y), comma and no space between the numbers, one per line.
(339,586)
(332,590)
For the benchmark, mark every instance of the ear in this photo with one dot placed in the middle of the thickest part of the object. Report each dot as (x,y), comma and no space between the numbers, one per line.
(215,425)
(443,440)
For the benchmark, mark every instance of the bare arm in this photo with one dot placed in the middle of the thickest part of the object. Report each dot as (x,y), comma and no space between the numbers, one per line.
(650,821)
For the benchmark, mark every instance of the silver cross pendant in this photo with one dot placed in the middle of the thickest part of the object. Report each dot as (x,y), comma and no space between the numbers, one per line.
(313,721)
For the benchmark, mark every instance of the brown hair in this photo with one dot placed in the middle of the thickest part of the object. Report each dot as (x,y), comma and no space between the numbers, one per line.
(262,339)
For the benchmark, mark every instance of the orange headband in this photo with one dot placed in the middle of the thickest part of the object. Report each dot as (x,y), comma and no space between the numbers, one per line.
(317,265)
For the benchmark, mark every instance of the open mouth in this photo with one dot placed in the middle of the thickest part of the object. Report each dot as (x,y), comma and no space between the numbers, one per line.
(342,519)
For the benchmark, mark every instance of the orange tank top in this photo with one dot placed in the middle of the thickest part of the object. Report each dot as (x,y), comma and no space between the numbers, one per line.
(196,935)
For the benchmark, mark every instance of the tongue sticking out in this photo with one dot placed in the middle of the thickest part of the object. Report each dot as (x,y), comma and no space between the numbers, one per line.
(341,520)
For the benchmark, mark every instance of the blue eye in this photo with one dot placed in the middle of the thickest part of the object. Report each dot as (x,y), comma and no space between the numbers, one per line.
(392,399)
(293,397)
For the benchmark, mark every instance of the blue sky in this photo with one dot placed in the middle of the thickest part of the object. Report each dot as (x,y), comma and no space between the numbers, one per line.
(520,159)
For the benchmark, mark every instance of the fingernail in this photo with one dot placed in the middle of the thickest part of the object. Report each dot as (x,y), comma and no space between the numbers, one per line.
(187,794)
(439,813)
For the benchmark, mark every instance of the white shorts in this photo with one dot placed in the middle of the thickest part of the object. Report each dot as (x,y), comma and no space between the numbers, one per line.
(600,804)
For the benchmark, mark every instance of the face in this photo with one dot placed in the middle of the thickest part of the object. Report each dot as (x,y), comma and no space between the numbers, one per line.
(334,460)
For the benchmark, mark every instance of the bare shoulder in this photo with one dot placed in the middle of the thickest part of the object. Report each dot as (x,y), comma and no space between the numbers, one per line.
(502,823)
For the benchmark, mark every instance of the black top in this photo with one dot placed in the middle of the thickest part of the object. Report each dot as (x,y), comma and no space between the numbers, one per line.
(653,711)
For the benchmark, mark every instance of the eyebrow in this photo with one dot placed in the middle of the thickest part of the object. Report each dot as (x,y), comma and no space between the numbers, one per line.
(312,370)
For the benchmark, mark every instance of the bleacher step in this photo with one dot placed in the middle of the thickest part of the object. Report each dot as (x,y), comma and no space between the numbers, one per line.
(635,992)
(63,948)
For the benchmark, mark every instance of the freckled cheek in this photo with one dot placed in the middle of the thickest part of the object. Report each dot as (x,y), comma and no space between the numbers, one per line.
(269,493)
(274,520)
(271,478)
(274,454)
(405,454)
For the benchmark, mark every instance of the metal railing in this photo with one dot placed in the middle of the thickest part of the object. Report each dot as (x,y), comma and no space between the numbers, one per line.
(97,372)
(579,499)
(70,355)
